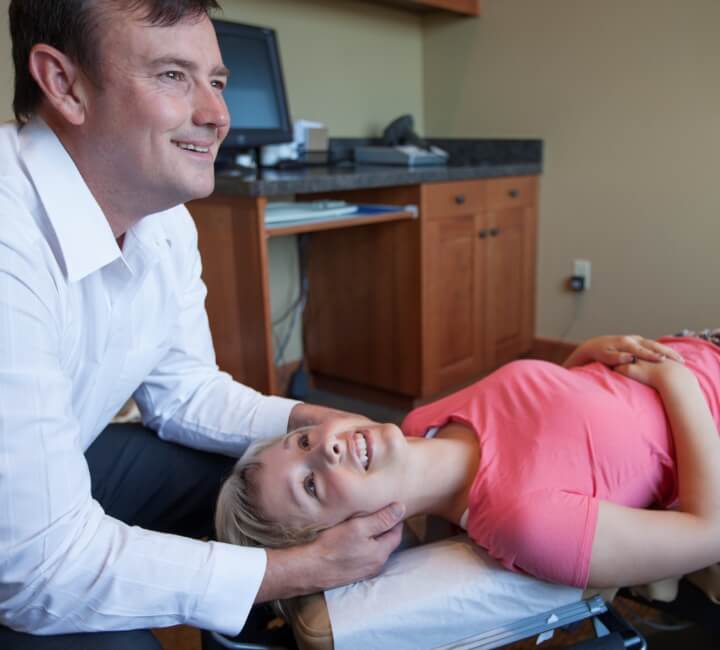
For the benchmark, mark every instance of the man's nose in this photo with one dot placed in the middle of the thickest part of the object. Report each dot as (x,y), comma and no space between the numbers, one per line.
(210,108)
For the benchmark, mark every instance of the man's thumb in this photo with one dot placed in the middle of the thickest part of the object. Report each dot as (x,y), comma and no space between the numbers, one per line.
(385,519)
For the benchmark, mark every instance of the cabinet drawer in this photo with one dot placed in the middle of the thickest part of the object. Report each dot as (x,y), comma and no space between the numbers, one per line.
(512,191)
(452,199)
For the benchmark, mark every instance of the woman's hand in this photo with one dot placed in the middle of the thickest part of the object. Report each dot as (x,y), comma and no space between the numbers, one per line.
(617,350)
(656,374)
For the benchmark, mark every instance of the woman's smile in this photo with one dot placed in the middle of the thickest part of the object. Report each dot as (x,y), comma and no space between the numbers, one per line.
(330,472)
(362,448)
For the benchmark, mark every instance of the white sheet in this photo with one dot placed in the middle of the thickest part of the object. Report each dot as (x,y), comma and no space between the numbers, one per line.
(435,594)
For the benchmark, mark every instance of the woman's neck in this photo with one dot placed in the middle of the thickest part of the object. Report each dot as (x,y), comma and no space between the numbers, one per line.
(441,472)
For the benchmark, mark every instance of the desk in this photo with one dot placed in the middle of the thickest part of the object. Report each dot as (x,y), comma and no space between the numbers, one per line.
(381,287)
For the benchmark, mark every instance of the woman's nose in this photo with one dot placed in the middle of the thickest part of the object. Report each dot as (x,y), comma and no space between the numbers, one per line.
(332,450)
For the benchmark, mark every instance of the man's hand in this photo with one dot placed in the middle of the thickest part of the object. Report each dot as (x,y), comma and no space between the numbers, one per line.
(351,551)
(617,350)
(304,415)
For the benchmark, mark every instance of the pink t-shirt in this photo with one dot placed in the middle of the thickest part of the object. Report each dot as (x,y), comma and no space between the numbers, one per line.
(554,443)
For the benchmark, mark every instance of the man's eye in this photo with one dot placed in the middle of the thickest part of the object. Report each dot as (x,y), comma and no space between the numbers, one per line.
(175,75)
(220,85)
(304,441)
(309,484)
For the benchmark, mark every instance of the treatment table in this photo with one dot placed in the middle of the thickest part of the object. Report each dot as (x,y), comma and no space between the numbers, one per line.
(445,593)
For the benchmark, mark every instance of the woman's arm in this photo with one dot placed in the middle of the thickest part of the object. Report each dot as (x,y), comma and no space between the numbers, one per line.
(633,546)
(615,350)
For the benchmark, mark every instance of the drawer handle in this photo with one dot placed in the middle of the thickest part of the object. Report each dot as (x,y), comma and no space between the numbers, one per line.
(483,233)
(513,193)
(494,232)
(460,199)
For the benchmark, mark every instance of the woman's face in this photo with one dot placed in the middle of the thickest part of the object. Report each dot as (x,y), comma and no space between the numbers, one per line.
(325,474)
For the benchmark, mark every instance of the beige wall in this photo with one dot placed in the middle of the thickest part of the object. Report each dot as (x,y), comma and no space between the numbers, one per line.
(352,65)
(626,97)
(623,93)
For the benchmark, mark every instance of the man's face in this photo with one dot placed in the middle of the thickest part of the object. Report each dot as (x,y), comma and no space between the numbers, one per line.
(160,116)
(325,474)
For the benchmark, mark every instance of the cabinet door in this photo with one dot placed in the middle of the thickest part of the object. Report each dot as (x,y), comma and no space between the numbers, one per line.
(362,320)
(510,279)
(452,285)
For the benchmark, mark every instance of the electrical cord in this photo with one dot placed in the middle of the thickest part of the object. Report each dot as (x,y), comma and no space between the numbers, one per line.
(574,319)
(298,307)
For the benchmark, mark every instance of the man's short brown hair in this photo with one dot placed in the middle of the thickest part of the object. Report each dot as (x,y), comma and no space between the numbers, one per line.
(75,28)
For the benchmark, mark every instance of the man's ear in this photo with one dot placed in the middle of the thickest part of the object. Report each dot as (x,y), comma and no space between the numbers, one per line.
(60,80)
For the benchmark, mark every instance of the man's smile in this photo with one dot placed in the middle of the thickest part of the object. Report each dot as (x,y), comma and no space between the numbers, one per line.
(198,147)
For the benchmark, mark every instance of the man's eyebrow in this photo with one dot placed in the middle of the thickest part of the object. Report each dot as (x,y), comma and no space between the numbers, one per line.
(217,71)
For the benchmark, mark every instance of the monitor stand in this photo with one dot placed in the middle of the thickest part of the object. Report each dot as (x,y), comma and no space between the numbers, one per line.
(226,165)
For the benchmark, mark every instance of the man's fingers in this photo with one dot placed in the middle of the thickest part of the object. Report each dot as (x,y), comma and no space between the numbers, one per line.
(383,520)
(391,538)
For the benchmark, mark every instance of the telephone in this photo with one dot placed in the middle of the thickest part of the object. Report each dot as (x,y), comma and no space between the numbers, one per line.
(401,146)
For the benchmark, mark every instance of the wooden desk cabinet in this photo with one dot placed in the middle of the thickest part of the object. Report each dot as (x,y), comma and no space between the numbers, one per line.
(409,307)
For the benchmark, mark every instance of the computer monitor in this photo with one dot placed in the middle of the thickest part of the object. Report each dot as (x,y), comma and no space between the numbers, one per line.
(255,92)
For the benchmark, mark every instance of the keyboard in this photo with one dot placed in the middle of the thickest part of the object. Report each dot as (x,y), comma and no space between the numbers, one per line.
(281,212)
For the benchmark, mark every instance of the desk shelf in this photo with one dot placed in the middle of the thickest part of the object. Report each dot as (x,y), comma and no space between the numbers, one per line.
(333,223)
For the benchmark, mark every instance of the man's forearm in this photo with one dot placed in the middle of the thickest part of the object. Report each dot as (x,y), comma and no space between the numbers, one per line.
(304,415)
(301,570)
(288,573)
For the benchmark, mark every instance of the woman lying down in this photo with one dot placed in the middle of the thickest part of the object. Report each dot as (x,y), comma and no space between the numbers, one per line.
(584,475)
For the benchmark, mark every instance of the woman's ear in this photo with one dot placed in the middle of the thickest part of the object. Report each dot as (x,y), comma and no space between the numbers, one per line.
(60,80)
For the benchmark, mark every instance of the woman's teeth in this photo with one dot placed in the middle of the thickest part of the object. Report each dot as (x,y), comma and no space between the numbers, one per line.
(361,446)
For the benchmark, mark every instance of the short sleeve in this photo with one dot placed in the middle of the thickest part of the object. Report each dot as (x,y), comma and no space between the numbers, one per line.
(548,535)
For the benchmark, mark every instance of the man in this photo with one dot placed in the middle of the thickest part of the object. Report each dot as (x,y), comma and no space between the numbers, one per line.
(120,115)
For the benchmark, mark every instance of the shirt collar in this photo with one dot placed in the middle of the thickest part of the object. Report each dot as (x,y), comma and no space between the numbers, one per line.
(83,232)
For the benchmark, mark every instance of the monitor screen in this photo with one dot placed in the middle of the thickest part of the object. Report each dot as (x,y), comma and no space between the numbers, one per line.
(255,92)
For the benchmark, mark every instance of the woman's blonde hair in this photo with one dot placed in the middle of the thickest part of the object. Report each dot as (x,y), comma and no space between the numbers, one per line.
(238,516)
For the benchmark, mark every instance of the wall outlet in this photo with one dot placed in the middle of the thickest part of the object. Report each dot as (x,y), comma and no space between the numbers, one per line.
(582,269)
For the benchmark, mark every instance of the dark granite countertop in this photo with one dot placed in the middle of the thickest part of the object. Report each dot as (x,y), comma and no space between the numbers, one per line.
(469,159)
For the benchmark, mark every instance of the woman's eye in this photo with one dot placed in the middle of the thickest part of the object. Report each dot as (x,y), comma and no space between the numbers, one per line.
(309,484)
(304,441)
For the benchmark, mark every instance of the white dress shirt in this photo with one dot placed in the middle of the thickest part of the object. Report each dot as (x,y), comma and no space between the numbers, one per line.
(83,326)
